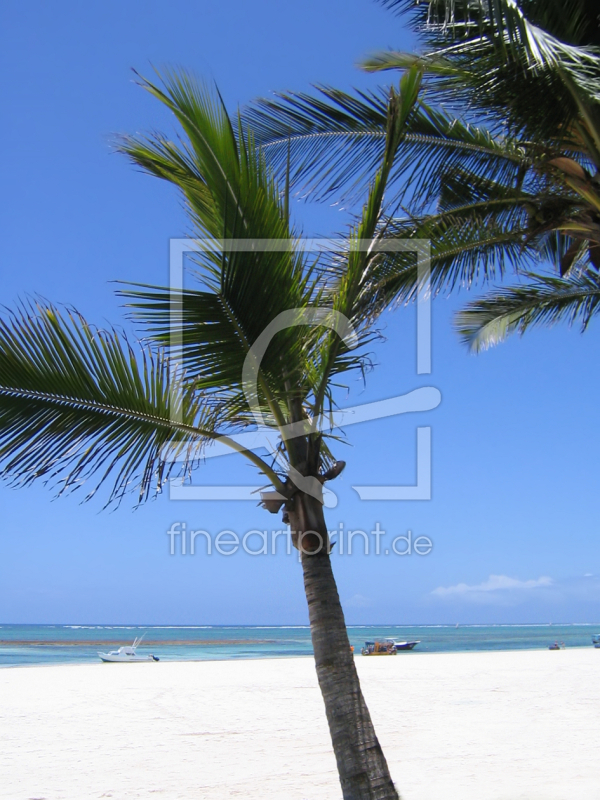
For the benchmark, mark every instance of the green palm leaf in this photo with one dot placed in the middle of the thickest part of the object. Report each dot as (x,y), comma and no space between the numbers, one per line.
(464,250)
(335,143)
(77,403)
(355,293)
(544,301)
(245,283)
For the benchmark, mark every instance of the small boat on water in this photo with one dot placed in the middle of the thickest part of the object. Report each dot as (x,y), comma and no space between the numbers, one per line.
(379,649)
(403,645)
(557,646)
(388,647)
(127,654)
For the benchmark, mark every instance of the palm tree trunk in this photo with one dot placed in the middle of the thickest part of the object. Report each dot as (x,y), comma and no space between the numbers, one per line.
(362,767)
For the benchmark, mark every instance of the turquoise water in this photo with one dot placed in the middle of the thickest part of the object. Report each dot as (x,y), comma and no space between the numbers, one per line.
(29,645)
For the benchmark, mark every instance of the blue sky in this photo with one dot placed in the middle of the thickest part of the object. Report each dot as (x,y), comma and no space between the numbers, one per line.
(515,439)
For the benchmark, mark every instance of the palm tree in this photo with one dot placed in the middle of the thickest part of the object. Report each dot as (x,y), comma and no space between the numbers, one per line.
(499,168)
(81,406)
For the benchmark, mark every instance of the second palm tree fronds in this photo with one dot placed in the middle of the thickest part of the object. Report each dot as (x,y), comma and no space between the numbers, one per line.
(531,68)
(499,168)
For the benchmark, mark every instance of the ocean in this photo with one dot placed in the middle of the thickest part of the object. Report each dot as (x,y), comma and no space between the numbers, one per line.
(31,645)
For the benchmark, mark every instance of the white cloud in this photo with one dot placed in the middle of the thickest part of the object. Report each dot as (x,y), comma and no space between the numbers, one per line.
(495,583)
(359,601)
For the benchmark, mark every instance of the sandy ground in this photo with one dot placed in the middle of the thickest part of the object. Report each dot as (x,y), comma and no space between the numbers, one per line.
(474,726)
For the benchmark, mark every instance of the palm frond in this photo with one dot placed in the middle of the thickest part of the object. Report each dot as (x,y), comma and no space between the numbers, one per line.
(336,141)
(352,294)
(246,283)
(544,301)
(213,343)
(229,192)
(464,251)
(78,403)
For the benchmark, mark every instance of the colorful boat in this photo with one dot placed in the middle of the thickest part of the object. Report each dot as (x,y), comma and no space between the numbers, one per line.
(379,649)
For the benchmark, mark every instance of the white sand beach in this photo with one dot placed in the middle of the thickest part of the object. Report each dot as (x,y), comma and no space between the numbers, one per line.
(474,726)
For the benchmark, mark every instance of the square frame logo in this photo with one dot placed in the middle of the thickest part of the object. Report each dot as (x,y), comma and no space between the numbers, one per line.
(420,399)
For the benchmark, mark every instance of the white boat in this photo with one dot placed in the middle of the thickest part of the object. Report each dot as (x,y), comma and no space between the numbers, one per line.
(402,645)
(127,654)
